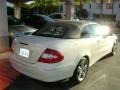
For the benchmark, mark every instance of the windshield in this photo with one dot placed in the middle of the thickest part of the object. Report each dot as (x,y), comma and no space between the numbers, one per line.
(56,16)
(47,18)
(52,31)
(13,21)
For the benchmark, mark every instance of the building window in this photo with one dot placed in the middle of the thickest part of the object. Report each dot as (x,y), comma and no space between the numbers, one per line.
(119,5)
(61,8)
(109,6)
(90,5)
(98,6)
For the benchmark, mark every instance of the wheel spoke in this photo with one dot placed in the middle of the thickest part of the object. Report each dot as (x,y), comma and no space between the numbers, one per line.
(79,72)
(85,68)
(83,63)
(83,74)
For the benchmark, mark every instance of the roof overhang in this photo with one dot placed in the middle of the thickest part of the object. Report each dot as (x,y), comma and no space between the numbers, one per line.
(14,1)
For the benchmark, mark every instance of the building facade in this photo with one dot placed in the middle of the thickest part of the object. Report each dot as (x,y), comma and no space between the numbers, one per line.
(109,10)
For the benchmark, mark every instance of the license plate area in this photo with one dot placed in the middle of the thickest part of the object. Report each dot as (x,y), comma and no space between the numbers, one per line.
(24,52)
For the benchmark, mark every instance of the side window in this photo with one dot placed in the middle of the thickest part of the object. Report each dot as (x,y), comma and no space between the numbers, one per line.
(94,28)
(86,32)
(58,16)
(100,30)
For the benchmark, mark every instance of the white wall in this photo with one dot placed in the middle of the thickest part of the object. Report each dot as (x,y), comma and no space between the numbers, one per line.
(117,11)
(105,10)
(94,10)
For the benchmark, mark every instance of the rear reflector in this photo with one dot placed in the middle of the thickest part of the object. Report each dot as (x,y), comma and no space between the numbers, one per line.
(51,56)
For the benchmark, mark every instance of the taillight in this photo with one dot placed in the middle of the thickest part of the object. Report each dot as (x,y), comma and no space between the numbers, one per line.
(51,56)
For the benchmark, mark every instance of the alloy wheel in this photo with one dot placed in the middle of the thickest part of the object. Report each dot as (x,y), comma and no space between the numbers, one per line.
(82,69)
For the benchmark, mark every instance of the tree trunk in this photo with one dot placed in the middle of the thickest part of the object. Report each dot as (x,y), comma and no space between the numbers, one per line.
(68,9)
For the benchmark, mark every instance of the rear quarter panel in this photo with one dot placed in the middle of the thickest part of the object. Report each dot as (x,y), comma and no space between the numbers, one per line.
(73,50)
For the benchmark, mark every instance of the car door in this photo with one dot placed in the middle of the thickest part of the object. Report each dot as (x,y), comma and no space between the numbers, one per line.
(102,39)
(110,41)
(89,42)
(107,38)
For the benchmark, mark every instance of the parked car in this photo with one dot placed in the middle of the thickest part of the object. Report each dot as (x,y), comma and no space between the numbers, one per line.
(62,49)
(36,20)
(60,16)
(16,28)
(57,16)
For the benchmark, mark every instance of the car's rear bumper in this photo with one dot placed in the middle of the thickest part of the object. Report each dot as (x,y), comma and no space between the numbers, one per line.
(40,73)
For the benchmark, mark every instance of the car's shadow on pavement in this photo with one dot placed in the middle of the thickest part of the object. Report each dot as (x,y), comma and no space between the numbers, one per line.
(105,57)
(26,83)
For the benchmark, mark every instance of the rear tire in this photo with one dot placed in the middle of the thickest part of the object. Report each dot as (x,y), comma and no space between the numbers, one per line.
(81,70)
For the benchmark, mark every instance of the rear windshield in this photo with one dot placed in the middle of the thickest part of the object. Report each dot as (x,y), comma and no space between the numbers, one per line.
(56,16)
(55,31)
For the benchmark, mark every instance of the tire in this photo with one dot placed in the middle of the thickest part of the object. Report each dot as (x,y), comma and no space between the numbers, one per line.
(113,53)
(81,70)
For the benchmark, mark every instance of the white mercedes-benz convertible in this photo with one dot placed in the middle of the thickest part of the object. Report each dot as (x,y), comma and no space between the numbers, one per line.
(62,49)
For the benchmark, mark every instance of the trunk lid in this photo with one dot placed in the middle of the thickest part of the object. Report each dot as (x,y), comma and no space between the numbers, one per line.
(30,48)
